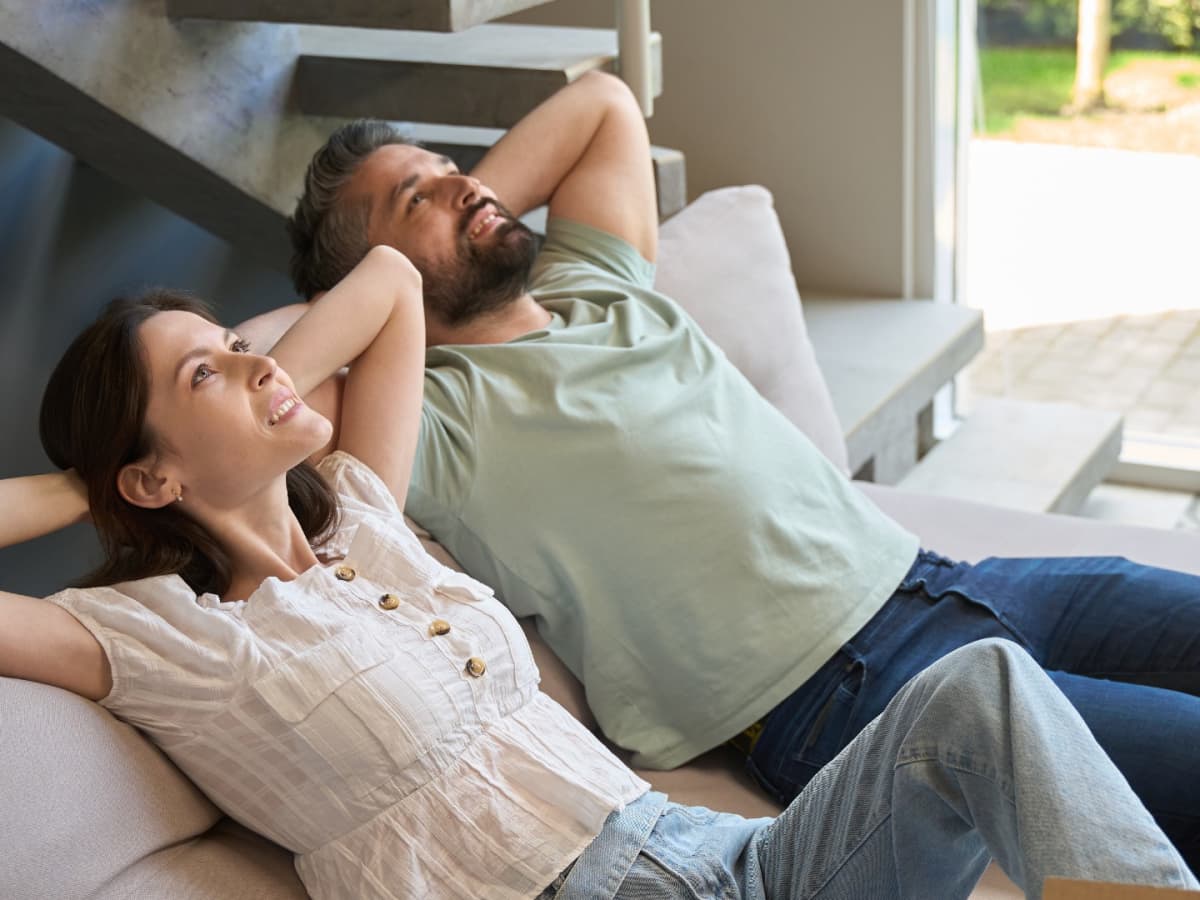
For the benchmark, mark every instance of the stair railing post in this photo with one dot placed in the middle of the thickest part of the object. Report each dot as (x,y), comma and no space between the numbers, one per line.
(633,47)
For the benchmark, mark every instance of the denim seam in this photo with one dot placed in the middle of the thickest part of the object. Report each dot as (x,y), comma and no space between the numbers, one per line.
(848,856)
(679,876)
(1002,784)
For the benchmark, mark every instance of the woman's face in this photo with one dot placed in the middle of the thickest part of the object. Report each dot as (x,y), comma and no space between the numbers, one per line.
(225,421)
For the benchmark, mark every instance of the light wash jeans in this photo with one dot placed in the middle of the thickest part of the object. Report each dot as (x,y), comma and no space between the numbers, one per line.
(978,756)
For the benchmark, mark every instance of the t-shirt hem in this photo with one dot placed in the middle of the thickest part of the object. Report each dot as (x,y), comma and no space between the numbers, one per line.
(751,710)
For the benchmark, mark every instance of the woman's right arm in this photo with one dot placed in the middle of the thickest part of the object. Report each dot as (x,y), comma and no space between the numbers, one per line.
(40,641)
(373,320)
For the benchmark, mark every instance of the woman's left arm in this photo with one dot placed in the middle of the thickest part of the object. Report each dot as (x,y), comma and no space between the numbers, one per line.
(374,321)
(34,505)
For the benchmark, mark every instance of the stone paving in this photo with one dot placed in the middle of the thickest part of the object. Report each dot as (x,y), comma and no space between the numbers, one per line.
(1145,367)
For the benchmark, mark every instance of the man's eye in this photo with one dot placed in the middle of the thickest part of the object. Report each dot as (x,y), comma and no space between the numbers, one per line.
(416,198)
(240,346)
(202,372)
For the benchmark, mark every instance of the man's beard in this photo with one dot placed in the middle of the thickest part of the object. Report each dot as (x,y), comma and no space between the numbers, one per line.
(481,279)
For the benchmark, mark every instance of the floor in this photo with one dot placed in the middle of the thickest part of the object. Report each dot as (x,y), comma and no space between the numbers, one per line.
(1089,296)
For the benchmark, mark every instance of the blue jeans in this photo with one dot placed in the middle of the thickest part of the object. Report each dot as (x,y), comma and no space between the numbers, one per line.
(1121,640)
(978,756)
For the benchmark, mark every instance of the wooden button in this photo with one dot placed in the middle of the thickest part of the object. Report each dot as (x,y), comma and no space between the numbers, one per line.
(389,601)
(344,573)
(476,667)
(439,626)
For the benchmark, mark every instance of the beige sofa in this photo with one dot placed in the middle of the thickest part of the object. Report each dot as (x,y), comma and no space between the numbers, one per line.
(91,809)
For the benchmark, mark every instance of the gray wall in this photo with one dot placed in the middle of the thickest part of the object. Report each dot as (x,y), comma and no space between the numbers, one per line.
(802,96)
(71,239)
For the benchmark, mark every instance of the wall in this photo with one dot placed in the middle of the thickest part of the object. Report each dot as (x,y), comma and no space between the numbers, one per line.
(802,96)
(70,239)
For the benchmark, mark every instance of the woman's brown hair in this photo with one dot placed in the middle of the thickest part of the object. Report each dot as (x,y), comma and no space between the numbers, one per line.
(93,420)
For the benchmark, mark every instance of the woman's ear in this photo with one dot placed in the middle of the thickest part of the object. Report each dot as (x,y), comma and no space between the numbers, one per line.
(139,485)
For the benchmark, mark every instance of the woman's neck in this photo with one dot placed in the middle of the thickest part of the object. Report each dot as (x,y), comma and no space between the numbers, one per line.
(262,541)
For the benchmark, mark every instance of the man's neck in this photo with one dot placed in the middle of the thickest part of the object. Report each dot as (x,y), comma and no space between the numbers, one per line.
(520,317)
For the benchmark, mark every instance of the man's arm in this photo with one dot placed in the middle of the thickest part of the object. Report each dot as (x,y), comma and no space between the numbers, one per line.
(587,153)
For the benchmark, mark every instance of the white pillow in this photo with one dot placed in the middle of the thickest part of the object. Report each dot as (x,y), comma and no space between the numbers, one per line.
(724,260)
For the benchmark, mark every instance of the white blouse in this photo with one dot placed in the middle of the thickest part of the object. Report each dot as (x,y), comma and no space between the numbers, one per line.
(379,715)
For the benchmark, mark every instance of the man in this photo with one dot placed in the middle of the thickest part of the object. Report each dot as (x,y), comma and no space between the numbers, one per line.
(687,552)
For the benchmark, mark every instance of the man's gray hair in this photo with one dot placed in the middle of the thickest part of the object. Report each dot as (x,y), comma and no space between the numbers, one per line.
(329,237)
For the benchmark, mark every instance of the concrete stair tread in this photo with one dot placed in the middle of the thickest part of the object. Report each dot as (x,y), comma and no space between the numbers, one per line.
(489,76)
(423,15)
(1041,457)
(574,50)
(884,360)
(207,125)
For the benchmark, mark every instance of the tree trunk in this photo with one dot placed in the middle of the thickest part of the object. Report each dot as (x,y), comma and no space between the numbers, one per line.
(1091,54)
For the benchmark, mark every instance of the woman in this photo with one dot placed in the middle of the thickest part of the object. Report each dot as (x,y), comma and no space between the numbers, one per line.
(283,637)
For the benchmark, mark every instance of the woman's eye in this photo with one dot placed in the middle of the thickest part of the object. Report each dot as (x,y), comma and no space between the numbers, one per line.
(240,346)
(202,372)
(416,198)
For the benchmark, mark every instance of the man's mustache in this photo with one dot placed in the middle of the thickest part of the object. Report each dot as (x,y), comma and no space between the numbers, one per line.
(476,207)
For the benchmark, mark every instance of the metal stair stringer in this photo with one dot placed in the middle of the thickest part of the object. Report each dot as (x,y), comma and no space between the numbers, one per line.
(196,116)
(203,117)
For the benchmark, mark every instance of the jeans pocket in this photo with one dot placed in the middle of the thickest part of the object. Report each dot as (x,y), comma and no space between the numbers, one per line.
(816,734)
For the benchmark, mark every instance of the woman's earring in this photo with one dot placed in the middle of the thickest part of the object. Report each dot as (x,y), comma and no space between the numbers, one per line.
(179,494)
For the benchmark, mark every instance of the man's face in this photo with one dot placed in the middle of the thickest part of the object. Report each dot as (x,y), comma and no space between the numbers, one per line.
(473,255)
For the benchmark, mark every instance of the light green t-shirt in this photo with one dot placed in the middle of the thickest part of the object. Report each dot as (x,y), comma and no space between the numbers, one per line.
(688,553)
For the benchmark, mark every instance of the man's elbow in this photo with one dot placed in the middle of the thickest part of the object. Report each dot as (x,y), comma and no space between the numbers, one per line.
(608,88)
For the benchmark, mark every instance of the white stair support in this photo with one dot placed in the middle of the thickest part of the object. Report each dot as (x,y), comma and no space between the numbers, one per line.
(414,15)
(1040,457)
(489,76)
(634,46)
(466,146)
(883,361)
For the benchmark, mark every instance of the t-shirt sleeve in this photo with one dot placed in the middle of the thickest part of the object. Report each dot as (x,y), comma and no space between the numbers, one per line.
(170,656)
(444,466)
(572,246)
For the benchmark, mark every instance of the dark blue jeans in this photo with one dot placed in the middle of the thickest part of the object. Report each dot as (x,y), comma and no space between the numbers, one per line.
(1121,640)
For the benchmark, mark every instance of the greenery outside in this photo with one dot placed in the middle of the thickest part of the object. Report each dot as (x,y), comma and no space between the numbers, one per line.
(1036,81)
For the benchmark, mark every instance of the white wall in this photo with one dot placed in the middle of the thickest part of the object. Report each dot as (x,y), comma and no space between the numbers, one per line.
(803,96)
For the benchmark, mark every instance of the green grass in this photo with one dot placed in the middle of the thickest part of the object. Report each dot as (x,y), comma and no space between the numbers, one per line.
(1020,81)
(1189,80)
(1024,81)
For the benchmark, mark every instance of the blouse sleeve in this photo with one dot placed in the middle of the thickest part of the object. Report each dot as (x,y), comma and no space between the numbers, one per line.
(173,659)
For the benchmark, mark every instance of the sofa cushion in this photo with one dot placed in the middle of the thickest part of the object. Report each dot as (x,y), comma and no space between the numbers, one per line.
(968,530)
(724,260)
(85,796)
(228,862)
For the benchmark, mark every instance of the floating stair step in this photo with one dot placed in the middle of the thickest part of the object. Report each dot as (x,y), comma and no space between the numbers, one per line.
(489,76)
(466,146)
(413,15)
(883,361)
(1040,457)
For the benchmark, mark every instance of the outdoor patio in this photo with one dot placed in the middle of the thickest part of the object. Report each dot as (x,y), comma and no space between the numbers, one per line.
(1083,261)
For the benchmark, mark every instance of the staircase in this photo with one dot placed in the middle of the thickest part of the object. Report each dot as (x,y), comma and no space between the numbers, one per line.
(213,108)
